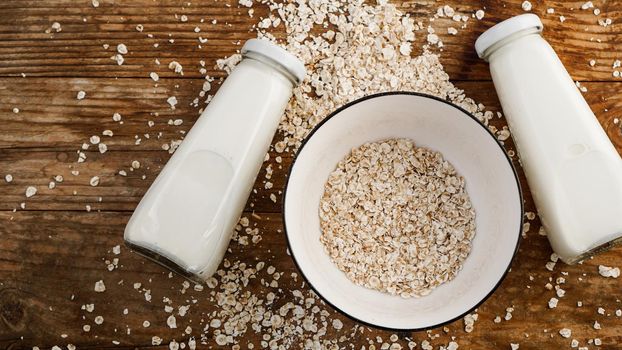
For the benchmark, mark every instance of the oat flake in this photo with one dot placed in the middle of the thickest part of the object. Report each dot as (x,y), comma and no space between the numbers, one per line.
(100,287)
(30,191)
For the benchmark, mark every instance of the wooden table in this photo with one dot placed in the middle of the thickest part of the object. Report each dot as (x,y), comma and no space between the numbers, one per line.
(52,251)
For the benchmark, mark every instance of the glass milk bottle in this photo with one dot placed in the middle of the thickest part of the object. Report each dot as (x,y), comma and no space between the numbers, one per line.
(573,169)
(186,218)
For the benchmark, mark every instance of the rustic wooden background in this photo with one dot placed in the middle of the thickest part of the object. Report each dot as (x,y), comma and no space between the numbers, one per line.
(53,251)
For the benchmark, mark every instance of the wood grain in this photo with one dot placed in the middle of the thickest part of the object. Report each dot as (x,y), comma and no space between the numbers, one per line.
(51,118)
(54,249)
(77,51)
(31,301)
(117,193)
(57,129)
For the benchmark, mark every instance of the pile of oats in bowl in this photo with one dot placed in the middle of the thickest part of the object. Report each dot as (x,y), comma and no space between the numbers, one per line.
(397,218)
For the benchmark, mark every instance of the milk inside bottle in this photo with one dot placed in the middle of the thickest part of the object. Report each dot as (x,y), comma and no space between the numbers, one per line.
(573,170)
(186,218)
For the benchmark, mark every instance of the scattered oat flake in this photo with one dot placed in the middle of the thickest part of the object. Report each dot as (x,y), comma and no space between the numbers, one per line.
(176,67)
(30,191)
(154,76)
(118,58)
(94,181)
(550,265)
(99,320)
(337,324)
(171,321)
(172,101)
(8,178)
(508,313)
(81,95)
(469,322)
(122,49)
(102,147)
(607,271)
(100,287)
(526,5)
(95,3)
(565,332)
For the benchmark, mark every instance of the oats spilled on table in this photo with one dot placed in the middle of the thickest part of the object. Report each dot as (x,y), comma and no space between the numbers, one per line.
(396,218)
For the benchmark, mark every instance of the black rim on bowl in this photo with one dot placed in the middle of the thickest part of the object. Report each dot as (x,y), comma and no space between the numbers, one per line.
(369,97)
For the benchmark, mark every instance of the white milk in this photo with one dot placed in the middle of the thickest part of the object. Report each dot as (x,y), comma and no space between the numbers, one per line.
(574,171)
(186,218)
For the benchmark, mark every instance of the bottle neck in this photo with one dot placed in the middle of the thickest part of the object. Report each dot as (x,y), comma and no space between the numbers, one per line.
(501,43)
(274,65)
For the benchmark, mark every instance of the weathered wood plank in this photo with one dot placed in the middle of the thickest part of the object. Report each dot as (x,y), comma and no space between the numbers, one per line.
(114,192)
(577,40)
(35,164)
(46,257)
(56,120)
(77,50)
(55,249)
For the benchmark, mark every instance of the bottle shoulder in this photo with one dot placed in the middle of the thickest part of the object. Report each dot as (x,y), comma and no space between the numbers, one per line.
(529,47)
(252,72)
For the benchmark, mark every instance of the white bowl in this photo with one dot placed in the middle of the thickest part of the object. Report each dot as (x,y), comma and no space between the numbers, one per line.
(491,182)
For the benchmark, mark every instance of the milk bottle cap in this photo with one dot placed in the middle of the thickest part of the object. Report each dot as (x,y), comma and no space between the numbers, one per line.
(276,54)
(504,29)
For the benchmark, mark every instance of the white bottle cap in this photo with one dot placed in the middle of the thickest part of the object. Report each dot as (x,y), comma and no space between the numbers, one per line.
(504,29)
(277,54)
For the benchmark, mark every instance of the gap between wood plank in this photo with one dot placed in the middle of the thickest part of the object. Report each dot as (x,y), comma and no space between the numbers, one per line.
(121,211)
(617,81)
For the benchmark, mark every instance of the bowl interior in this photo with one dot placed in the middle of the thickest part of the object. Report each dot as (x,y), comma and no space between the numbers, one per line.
(490,180)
